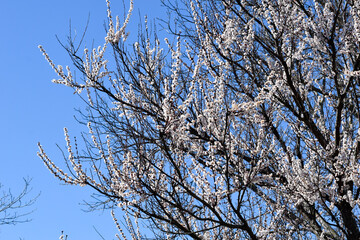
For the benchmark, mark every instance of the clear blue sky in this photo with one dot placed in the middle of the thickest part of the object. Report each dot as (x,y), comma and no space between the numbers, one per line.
(34,109)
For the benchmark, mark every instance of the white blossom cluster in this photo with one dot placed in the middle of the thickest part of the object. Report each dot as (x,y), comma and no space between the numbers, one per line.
(246,127)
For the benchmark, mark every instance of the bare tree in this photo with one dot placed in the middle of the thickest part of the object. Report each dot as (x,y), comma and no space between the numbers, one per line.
(12,206)
(245,127)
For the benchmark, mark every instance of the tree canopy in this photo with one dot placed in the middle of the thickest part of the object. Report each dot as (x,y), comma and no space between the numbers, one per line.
(245,126)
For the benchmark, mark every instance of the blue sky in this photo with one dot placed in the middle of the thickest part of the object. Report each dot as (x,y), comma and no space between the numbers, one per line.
(34,109)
